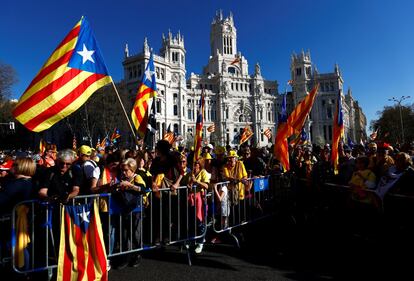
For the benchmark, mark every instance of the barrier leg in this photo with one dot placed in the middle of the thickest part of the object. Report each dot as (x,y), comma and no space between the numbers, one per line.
(49,274)
(187,247)
(235,239)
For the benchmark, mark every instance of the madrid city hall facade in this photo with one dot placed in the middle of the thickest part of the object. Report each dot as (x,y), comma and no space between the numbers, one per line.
(235,98)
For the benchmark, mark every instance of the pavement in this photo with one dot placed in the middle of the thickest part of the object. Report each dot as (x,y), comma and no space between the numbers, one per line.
(285,247)
(279,249)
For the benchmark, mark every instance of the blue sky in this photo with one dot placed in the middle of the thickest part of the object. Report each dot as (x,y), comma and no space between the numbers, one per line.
(372,41)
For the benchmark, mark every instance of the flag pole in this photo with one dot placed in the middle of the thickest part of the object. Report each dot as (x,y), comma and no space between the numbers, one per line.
(123,109)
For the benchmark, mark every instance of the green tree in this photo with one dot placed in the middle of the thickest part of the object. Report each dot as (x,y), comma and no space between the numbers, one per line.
(389,124)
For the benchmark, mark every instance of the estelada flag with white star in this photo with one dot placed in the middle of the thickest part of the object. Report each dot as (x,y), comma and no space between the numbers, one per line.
(82,253)
(73,72)
(147,89)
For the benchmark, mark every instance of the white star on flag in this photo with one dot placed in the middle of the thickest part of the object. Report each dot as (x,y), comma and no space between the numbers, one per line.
(148,74)
(84,215)
(86,54)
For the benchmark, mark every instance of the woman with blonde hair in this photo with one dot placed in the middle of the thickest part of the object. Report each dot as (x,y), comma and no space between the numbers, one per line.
(20,188)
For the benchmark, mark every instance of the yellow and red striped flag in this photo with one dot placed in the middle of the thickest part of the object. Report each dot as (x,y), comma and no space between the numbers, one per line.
(280,149)
(146,90)
(297,118)
(82,254)
(211,128)
(74,71)
(268,133)
(169,135)
(198,139)
(42,146)
(246,135)
(338,132)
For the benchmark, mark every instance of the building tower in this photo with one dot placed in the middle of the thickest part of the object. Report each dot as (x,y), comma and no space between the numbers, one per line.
(301,75)
(223,36)
(173,52)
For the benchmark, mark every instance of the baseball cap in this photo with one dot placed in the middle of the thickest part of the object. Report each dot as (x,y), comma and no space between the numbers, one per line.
(85,150)
(232,153)
(6,165)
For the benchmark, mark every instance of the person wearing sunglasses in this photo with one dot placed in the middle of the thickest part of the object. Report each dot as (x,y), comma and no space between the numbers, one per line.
(61,182)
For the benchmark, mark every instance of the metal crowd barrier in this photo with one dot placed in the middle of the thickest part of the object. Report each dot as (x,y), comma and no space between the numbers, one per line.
(5,255)
(165,217)
(162,218)
(241,202)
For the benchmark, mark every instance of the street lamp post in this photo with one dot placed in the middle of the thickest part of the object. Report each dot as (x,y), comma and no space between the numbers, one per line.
(399,101)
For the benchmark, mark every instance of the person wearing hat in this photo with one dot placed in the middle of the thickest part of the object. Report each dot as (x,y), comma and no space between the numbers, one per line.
(235,172)
(346,165)
(207,162)
(5,175)
(90,170)
(383,160)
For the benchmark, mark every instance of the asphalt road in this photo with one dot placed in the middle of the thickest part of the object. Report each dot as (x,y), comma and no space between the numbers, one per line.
(278,249)
(318,247)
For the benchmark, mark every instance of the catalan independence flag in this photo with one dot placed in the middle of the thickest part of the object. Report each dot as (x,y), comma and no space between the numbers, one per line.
(115,135)
(146,90)
(246,135)
(297,118)
(73,72)
(82,253)
(199,128)
(338,132)
(280,149)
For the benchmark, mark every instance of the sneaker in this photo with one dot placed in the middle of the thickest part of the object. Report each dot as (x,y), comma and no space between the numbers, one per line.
(108,265)
(198,249)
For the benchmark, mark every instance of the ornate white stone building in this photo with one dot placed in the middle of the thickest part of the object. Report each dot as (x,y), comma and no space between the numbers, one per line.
(319,125)
(234,98)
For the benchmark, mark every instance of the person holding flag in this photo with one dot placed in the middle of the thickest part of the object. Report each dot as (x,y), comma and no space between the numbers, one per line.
(146,90)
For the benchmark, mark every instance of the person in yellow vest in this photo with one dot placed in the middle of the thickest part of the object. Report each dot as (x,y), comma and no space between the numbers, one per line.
(235,172)
(362,179)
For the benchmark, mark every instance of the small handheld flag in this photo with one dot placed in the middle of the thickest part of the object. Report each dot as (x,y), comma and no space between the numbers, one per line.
(246,135)
(211,128)
(268,133)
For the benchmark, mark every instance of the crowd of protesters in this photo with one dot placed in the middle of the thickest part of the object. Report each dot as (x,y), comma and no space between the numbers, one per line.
(62,175)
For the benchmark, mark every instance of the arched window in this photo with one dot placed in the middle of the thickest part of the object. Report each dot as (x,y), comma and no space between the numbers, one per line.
(231,70)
